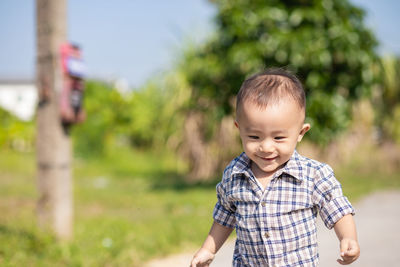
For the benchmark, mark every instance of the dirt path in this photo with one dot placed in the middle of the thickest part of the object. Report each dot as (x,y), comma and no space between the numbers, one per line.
(378,224)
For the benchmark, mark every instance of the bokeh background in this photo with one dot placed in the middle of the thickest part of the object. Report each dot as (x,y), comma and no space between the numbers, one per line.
(159,98)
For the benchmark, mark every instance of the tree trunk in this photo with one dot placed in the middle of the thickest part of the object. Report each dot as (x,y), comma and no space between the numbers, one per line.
(197,151)
(53,147)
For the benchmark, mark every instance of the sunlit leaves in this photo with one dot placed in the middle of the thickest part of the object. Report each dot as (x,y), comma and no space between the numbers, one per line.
(324,41)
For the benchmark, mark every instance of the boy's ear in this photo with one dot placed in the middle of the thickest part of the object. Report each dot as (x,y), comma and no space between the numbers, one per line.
(236,124)
(304,129)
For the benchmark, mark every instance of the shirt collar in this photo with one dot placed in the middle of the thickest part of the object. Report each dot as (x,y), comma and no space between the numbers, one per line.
(293,166)
(242,166)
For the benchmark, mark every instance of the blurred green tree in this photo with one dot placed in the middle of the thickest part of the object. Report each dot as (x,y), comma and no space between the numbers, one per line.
(16,134)
(92,136)
(325,42)
(143,118)
(389,117)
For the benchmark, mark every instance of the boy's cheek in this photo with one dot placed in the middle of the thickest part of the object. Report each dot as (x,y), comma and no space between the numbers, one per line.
(249,146)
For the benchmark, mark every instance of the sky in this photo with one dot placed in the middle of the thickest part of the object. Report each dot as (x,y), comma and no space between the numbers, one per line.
(134,40)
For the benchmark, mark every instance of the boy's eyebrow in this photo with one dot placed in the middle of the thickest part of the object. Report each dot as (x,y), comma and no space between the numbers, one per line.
(249,129)
(280,132)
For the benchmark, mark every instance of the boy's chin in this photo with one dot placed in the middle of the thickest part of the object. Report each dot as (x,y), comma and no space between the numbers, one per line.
(267,169)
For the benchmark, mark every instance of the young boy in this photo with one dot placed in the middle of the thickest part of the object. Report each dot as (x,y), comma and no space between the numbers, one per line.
(270,193)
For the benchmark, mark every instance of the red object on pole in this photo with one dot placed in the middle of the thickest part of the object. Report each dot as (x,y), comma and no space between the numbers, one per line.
(73,68)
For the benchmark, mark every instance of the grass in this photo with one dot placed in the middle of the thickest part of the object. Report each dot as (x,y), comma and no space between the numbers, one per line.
(129,207)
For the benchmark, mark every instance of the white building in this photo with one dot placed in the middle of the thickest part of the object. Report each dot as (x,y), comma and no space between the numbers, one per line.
(19,97)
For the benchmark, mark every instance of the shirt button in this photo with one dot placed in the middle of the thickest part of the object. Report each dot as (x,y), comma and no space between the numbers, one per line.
(263,204)
(266,235)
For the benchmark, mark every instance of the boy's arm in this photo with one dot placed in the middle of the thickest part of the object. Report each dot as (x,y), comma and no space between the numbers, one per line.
(346,232)
(215,239)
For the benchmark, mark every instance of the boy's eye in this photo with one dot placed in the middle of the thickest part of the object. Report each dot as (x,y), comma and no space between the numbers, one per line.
(279,137)
(253,137)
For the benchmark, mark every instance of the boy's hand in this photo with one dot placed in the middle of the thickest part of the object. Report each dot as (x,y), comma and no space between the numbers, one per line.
(349,251)
(202,258)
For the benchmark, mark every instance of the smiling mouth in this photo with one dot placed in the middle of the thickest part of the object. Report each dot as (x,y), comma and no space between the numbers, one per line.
(268,159)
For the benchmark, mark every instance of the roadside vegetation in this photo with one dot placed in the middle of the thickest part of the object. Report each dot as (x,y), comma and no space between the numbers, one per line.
(129,207)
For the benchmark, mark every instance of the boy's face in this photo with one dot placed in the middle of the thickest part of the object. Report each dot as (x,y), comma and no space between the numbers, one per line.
(270,135)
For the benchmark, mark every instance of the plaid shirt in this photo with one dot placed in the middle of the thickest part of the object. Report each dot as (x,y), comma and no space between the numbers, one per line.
(277,226)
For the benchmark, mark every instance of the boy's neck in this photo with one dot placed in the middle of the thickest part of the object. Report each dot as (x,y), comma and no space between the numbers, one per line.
(263,177)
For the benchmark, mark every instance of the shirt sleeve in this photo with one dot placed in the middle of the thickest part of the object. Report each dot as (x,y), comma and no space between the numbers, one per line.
(328,196)
(224,211)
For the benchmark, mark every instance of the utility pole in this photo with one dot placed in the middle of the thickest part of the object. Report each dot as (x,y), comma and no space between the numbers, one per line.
(53,146)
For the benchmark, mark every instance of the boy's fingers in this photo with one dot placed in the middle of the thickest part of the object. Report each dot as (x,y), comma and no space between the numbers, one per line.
(344,247)
(340,261)
(345,262)
(347,258)
(348,249)
(351,252)
(194,263)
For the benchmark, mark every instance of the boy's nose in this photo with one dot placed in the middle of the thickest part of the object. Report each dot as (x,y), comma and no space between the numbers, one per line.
(266,146)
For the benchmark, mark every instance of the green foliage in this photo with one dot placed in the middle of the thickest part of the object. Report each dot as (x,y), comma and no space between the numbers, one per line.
(324,42)
(321,104)
(93,135)
(389,115)
(14,133)
(142,118)
(155,109)
(129,207)
(146,110)
(148,117)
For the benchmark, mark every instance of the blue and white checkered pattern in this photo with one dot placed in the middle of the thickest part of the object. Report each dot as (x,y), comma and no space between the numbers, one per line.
(277,226)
